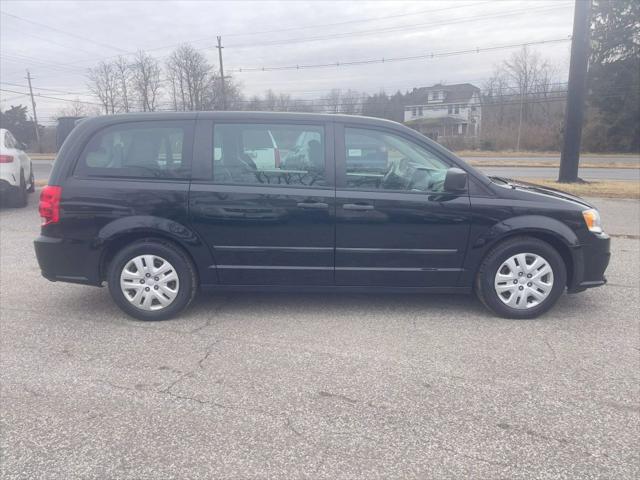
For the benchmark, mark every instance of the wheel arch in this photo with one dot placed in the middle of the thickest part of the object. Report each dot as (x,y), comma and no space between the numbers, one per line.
(557,234)
(122,232)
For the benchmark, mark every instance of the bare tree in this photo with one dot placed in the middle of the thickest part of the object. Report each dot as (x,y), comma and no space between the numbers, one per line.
(233,94)
(190,76)
(146,81)
(122,70)
(525,69)
(78,108)
(255,104)
(351,102)
(332,100)
(103,83)
(270,101)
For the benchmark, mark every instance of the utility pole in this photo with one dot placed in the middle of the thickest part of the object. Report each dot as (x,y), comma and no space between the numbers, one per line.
(222,86)
(35,115)
(577,91)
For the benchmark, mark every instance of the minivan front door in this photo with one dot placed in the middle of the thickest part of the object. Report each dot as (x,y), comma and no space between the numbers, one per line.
(395,226)
(266,224)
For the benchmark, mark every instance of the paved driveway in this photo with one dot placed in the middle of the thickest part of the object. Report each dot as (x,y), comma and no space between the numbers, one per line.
(317,386)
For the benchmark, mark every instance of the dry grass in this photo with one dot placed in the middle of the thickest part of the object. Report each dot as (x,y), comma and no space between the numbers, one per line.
(605,188)
(549,164)
(42,156)
(513,153)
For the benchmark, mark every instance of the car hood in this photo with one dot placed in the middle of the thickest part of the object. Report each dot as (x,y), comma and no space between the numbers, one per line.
(547,191)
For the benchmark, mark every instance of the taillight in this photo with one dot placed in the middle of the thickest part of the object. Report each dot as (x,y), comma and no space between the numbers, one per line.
(49,207)
(277,157)
(6,159)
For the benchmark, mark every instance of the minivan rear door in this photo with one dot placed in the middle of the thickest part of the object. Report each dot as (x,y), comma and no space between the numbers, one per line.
(265,224)
(395,226)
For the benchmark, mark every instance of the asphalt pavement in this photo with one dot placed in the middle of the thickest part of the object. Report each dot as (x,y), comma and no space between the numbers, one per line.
(552,173)
(293,386)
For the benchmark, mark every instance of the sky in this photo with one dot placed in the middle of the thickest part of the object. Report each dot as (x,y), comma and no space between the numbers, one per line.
(59,40)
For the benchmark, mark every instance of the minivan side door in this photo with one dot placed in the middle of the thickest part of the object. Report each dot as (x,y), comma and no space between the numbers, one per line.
(265,224)
(395,224)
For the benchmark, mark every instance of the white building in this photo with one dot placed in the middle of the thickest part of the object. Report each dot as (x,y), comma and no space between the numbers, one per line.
(444,110)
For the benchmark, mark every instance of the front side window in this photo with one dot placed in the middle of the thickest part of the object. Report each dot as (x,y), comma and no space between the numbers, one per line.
(377,159)
(269,154)
(147,150)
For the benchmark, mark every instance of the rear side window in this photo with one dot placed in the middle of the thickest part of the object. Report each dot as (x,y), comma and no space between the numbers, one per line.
(138,150)
(269,154)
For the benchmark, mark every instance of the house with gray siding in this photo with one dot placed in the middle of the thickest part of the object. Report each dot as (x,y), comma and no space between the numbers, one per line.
(444,111)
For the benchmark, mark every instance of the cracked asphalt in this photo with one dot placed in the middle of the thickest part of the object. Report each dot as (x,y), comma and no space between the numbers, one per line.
(317,386)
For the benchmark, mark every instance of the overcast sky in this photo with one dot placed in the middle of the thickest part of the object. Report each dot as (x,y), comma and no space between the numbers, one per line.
(58,40)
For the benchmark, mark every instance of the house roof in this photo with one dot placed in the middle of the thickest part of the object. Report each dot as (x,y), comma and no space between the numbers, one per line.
(458,93)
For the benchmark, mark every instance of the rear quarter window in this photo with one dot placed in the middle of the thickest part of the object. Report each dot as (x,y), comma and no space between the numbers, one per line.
(138,150)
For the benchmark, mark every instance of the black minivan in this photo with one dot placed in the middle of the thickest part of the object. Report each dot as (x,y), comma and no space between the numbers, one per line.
(159,205)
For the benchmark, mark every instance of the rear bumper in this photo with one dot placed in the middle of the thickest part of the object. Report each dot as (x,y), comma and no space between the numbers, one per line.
(591,263)
(67,261)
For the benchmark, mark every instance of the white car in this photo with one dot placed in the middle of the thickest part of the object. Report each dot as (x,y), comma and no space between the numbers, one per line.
(16,170)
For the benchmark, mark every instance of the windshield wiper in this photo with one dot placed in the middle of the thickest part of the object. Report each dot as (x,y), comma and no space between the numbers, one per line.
(500,179)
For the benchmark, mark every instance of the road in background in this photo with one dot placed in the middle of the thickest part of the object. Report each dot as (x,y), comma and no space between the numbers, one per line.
(552,173)
(42,169)
(282,385)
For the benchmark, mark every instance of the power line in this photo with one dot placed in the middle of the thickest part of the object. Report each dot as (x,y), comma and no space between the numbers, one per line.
(345,34)
(395,59)
(472,18)
(55,29)
(362,20)
(49,40)
(63,92)
(286,29)
(51,98)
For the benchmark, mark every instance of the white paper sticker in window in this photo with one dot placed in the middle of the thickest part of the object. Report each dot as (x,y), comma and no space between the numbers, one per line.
(355,152)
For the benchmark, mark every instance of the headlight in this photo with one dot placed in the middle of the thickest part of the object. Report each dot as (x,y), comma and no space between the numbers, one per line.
(592,219)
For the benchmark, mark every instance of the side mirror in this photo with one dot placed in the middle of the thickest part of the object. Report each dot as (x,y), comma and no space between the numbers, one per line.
(455,180)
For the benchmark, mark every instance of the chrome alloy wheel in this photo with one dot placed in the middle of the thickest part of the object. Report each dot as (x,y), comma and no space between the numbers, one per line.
(149,282)
(524,281)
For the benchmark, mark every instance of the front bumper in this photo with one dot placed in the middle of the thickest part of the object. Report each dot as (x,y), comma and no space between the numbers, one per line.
(67,261)
(590,263)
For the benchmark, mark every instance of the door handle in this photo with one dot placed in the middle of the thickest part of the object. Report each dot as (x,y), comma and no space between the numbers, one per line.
(357,206)
(313,205)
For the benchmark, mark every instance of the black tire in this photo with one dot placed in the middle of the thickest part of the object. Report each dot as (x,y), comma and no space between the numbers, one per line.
(18,198)
(485,289)
(175,256)
(32,182)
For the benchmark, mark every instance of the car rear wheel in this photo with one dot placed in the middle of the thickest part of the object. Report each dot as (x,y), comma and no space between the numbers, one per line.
(152,280)
(19,196)
(521,278)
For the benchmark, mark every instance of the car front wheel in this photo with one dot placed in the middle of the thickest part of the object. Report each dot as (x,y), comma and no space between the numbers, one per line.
(521,278)
(152,280)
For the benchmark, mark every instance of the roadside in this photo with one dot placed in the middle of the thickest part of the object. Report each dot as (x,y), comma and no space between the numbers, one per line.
(605,189)
(504,159)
